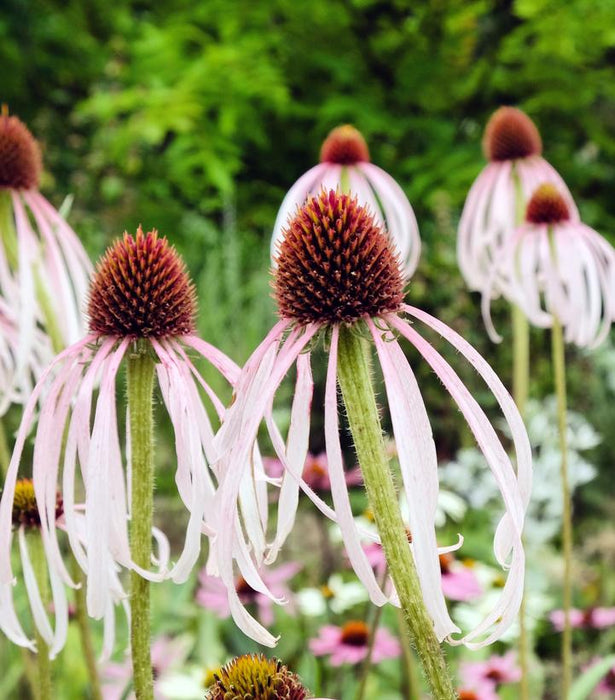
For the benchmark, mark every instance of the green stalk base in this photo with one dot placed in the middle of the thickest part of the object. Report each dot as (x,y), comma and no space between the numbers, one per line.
(360,401)
(140,381)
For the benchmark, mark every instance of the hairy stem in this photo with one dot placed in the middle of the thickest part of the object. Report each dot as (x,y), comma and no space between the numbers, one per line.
(140,380)
(360,401)
(559,370)
(43,663)
(521,381)
(85,632)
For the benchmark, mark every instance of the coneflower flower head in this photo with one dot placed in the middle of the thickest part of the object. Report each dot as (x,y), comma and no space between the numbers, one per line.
(335,265)
(497,200)
(141,299)
(554,265)
(255,677)
(345,165)
(25,508)
(510,134)
(337,268)
(44,270)
(141,289)
(20,156)
(345,145)
(547,206)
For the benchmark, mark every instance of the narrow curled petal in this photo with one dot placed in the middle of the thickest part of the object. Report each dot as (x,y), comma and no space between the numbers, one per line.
(419,467)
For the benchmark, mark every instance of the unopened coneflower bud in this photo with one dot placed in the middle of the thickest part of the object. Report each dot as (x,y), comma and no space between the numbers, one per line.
(355,633)
(511,134)
(547,206)
(20,156)
(335,264)
(141,289)
(255,677)
(25,509)
(344,145)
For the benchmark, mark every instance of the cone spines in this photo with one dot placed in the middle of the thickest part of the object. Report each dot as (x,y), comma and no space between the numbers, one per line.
(255,677)
(335,264)
(20,155)
(344,145)
(141,289)
(547,206)
(511,134)
(25,509)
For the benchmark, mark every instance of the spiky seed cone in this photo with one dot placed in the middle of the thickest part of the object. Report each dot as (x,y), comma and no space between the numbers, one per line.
(335,264)
(254,677)
(547,206)
(141,289)
(344,145)
(25,509)
(511,134)
(355,633)
(20,155)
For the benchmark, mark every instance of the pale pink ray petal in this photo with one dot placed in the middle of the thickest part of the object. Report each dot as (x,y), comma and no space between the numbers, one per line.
(399,216)
(229,370)
(8,494)
(97,491)
(34,596)
(9,622)
(27,306)
(297,449)
(339,490)
(507,405)
(295,197)
(419,468)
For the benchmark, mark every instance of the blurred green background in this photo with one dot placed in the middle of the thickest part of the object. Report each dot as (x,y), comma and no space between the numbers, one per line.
(195,118)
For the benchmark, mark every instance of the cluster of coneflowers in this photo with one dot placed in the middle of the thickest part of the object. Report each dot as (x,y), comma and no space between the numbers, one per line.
(344,247)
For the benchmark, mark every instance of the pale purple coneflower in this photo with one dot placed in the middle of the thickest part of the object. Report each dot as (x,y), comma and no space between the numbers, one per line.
(336,270)
(350,644)
(591,618)
(44,269)
(553,265)
(459,582)
(345,165)
(141,300)
(212,595)
(496,670)
(500,193)
(315,472)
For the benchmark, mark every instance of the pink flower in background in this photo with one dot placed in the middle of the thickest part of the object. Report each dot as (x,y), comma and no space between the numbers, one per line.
(479,690)
(44,269)
(500,193)
(496,670)
(591,618)
(167,655)
(141,300)
(336,269)
(315,472)
(345,166)
(213,596)
(555,266)
(349,644)
(459,582)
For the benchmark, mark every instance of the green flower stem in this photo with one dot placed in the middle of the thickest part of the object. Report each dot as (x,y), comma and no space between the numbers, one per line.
(367,663)
(5,455)
(49,309)
(360,401)
(410,677)
(8,234)
(140,380)
(87,647)
(559,370)
(521,381)
(43,663)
